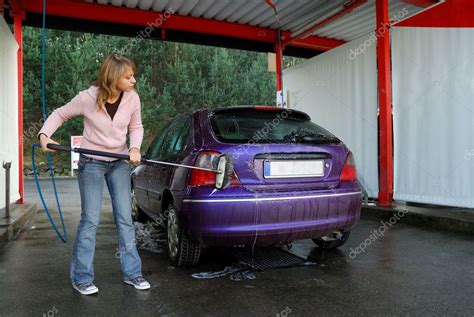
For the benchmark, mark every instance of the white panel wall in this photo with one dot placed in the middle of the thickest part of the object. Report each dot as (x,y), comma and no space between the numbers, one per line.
(338,89)
(433,98)
(8,111)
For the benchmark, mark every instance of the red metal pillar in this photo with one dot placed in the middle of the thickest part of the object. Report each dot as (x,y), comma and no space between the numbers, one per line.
(385,104)
(17,26)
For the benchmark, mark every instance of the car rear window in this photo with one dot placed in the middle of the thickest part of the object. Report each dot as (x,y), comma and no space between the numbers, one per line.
(251,125)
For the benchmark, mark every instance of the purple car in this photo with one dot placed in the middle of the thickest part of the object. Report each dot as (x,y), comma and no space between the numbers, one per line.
(291,180)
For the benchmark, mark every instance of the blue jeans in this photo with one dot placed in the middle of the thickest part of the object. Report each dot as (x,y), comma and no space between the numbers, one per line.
(91,180)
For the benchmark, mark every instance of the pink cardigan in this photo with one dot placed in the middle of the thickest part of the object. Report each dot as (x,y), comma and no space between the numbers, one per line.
(100,132)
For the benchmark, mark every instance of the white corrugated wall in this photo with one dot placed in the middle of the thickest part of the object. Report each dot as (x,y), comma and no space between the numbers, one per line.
(338,89)
(8,111)
(433,99)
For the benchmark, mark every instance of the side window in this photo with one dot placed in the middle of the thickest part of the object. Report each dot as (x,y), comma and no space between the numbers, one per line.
(154,149)
(176,137)
(183,135)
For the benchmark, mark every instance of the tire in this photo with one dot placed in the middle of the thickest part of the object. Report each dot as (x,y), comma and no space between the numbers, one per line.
(183,251)
(137,213)
(333,240)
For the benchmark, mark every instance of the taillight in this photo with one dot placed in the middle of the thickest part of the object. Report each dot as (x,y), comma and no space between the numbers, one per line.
(348,173)
(208,159)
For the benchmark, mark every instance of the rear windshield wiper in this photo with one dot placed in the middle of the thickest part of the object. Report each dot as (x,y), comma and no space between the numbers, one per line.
(301,136)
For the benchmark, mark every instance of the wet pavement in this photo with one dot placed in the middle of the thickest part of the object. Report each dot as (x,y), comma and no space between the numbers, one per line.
(401,270)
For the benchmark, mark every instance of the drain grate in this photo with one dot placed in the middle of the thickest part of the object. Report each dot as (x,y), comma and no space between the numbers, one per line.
(266,258)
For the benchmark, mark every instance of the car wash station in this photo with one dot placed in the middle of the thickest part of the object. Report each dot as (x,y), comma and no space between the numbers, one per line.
(350,193)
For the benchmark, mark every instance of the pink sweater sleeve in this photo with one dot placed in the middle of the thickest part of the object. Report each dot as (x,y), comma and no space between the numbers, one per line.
(61,115)
(135,128)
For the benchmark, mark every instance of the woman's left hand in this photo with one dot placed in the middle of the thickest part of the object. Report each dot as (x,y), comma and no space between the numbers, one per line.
(135,156)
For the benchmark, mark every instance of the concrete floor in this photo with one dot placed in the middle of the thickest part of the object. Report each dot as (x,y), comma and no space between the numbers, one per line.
(407,271)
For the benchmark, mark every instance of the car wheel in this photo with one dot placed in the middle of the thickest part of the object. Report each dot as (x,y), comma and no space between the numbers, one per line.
(332,241)
(137,213)
(182,251)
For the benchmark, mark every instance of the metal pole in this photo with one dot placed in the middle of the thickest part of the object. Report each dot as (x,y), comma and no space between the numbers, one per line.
(7,166)
(385,103)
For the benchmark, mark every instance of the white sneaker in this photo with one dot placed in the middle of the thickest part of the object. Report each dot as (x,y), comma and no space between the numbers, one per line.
(138,282)
(86,288)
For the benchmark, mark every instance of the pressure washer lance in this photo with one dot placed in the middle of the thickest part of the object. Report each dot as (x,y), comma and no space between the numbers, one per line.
(224,171)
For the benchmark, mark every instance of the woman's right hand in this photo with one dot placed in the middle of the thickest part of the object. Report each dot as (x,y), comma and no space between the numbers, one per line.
(44,140)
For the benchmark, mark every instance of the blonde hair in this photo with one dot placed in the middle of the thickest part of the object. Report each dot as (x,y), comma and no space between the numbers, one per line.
(113,67)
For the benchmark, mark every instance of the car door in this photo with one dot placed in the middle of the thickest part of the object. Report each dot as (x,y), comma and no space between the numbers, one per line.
(170,151)
(144,177)
(140,186)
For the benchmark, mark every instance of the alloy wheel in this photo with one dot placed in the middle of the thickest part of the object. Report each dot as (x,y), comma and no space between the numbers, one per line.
(173,233)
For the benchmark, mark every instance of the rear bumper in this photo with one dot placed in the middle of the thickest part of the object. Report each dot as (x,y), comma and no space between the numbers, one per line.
(266,220)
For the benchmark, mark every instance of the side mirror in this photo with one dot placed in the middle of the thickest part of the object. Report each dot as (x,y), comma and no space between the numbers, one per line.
(220,176)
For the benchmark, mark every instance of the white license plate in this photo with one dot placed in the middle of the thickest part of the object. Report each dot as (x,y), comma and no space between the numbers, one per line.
(293,168)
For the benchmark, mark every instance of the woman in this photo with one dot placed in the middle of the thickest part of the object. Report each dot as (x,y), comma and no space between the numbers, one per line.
(109,107)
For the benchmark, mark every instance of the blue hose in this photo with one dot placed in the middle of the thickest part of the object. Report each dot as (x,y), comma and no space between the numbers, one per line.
(63,237)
